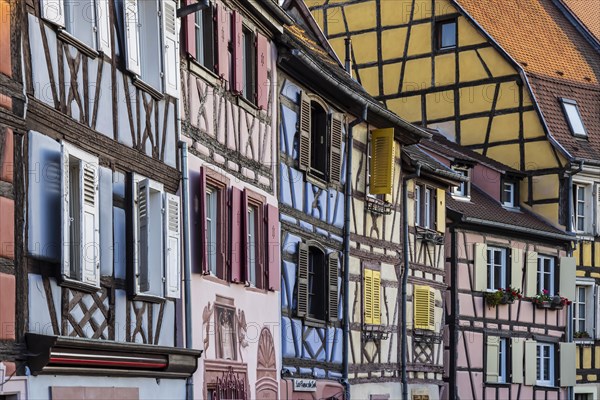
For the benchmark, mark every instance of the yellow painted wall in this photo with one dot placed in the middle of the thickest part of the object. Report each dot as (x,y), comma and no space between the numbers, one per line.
(545,187)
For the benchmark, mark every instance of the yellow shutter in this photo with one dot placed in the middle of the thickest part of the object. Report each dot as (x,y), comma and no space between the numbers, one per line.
(441,211)
(422,307)
(382,161)
(376,297)
(368,296)
(431,309)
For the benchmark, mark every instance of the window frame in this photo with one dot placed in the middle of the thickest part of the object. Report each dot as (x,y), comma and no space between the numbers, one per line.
(427,203)
(312,296)
(249,64)
(541,273)
(540,370)
(463,190)
(504,274)
(512,203)
(219,183)
(439,28)
(258,202)
(587,215)
(589,303)
(418,202)
(503,360)
(565,103)
(315,172)
(205,38)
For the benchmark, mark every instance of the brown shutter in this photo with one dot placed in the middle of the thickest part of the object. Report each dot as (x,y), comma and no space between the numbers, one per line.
(333,286)
(272,238)
(222,40)
(238,61)
(335,155)
(244,239)
(262,65)
(202,223)
(190,32)
(302,292)
(304,128)
(237,247)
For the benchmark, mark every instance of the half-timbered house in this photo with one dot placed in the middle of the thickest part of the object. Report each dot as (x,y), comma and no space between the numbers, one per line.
(229,124)
(98,259)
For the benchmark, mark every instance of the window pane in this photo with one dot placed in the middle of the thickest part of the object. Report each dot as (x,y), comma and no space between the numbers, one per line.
(252,245)
(448,35)
(211,230)
(574,119)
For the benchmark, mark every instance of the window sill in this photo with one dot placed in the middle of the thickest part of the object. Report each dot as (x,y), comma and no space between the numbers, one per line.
(584,341)
(255,289)
(585,236)
(150,298)
(460,197)
(315,180)
(581,137)
(215,279)
(511,208)
(545,386)
(445,50)
(203,72)
(316,323)
(247,105)
(140,84)
(78,44)
(498,384)
(78,285)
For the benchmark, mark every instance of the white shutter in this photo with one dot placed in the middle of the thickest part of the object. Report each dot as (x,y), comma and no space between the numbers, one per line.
(132,37)
(171,48)
(531,274)
(90,222)
(530,362)
(567,364)
(143,221)
(516,353)
(480,262)
(597,208)
(53,11)
(172,246)
(103,26)
(516,268)
(492,364)
(567,277)
(65,214)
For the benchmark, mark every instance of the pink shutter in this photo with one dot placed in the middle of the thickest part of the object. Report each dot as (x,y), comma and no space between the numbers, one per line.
(262,65)
(237,247)
(238,68)
(245,249)
(190,32)
(222,34)
(202,223)
(273,248)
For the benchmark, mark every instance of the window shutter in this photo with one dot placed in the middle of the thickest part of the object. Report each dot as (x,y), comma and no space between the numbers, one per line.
(65,215)
(421,307)
(262,66)
(222,34)
(90,222)
(103,27)
(376,297)
(431,308)
(302,292)
(190,31)
(245,245)
(305,133)
(53,11)
(143,259)
(237,240)
(530,362)
(273,249)
(567,277)
(567,364)
(132,37)
(171,48)
(492,351)
(202,223)
(531,274)
(597,208)
(368,296)
(516,355)
(334,263)
(382,161)
(481,270)
(440,219)
(335,149)
(238,52)
(516,268)
(172,246)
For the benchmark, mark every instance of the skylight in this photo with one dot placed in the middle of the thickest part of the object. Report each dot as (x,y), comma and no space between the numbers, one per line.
(573,117)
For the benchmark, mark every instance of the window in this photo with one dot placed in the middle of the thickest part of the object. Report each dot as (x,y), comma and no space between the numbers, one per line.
(573,116)
(320,140)
(497,269)
(249,62)
(464,188)
(497,358)
(579,310)
(583,309)
(502,360)
(204,34)
(546,274)
(424,307)
(508,194)
(372,296)
(426,207)
(582,208)
(317,286)
(213,222)
(584,396)
(446,34)
(545,364)
(252,244)
(418,205)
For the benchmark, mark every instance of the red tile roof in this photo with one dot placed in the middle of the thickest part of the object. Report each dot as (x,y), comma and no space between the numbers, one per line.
(588,12)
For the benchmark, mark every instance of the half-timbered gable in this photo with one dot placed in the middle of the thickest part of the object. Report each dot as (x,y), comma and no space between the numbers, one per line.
(228,119)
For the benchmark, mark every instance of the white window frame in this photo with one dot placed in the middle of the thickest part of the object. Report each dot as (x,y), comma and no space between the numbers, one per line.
(510,203)
(212,219)
(585,200)
(418,200)
(541,273)
(463,190)
(491,265)
(252,214)
(573,117)
(503,348)
(540,365)
(589,318)
(427,209)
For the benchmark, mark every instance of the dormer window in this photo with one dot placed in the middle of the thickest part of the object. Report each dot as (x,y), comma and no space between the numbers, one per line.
(573,117)
(509,194)
(464,188)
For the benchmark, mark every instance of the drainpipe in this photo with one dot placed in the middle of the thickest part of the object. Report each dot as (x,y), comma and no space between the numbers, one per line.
(348,60)
(347,203)
(405,256)
(189,384)
(454,313)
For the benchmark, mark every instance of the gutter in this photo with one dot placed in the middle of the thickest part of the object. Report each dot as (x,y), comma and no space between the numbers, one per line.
(405,257)
(277,11)
(346,290)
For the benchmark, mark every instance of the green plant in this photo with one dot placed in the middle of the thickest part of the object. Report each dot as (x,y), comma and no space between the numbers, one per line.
(581,335)
(542,297)
(494,298)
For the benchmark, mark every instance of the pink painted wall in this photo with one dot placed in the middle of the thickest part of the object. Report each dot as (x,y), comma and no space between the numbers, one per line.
(487,180)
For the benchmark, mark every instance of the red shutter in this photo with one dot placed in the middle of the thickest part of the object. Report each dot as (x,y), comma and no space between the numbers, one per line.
(238,60)
(244,240)
(272,237)
(262,64)
(202,223)
(237,247)
(190,32)
(222,34)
